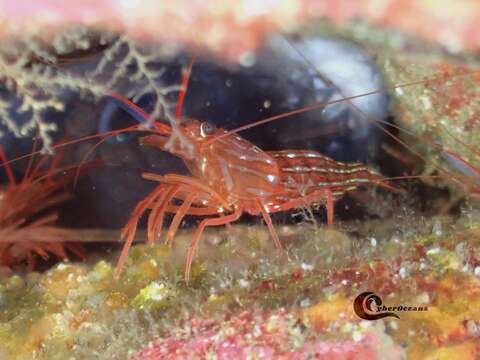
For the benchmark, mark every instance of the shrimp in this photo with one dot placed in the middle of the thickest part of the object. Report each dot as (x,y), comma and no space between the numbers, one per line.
(230,176)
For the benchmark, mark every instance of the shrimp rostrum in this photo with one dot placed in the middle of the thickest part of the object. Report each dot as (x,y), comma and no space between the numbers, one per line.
(231,176)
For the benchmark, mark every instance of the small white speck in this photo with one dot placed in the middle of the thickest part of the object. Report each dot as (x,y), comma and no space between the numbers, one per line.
(247,59)
(155,291)
(476,271)
(435,250)
(271,177)
(473,328)
(394,325)
(423,298)
(427,104)
(267,104)
(437,228)
(344,282)
(257,331)
(373,242)
(365,324)
(244,284)
(306,267)
(357,336)
(305,303)
(228,83)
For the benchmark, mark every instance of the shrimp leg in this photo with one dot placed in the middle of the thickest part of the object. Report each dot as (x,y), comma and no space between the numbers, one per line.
(183,183)
(155,219)
(182,211)
(188,181)
(131,227)
(310,198)
(271,228)
(198,233)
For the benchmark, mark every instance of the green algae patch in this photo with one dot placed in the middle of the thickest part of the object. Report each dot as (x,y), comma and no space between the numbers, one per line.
(144,264)
(442,259)
(101,274)
(155,296)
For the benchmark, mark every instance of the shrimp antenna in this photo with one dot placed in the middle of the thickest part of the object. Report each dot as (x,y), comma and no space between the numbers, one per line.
(183,90)
(311,107)
(344,98)
(355,108)
(117,100)
(323,104)
(140,115)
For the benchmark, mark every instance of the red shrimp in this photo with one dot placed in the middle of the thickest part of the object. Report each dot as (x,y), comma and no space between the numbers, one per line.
(231,176)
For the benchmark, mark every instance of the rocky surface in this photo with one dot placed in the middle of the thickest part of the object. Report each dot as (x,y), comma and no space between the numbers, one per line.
(245,300)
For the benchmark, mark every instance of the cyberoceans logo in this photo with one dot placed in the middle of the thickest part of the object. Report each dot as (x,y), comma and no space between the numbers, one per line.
(369,306)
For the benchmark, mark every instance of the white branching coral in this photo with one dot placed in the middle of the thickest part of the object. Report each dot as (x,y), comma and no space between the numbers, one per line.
(31,86)
(125,54)
(33,81)
(141,65)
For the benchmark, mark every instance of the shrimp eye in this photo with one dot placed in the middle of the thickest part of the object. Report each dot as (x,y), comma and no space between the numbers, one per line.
(206,129)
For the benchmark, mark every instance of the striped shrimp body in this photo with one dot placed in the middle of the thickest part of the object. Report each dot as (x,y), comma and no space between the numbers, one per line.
(231,176)
(306,174)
